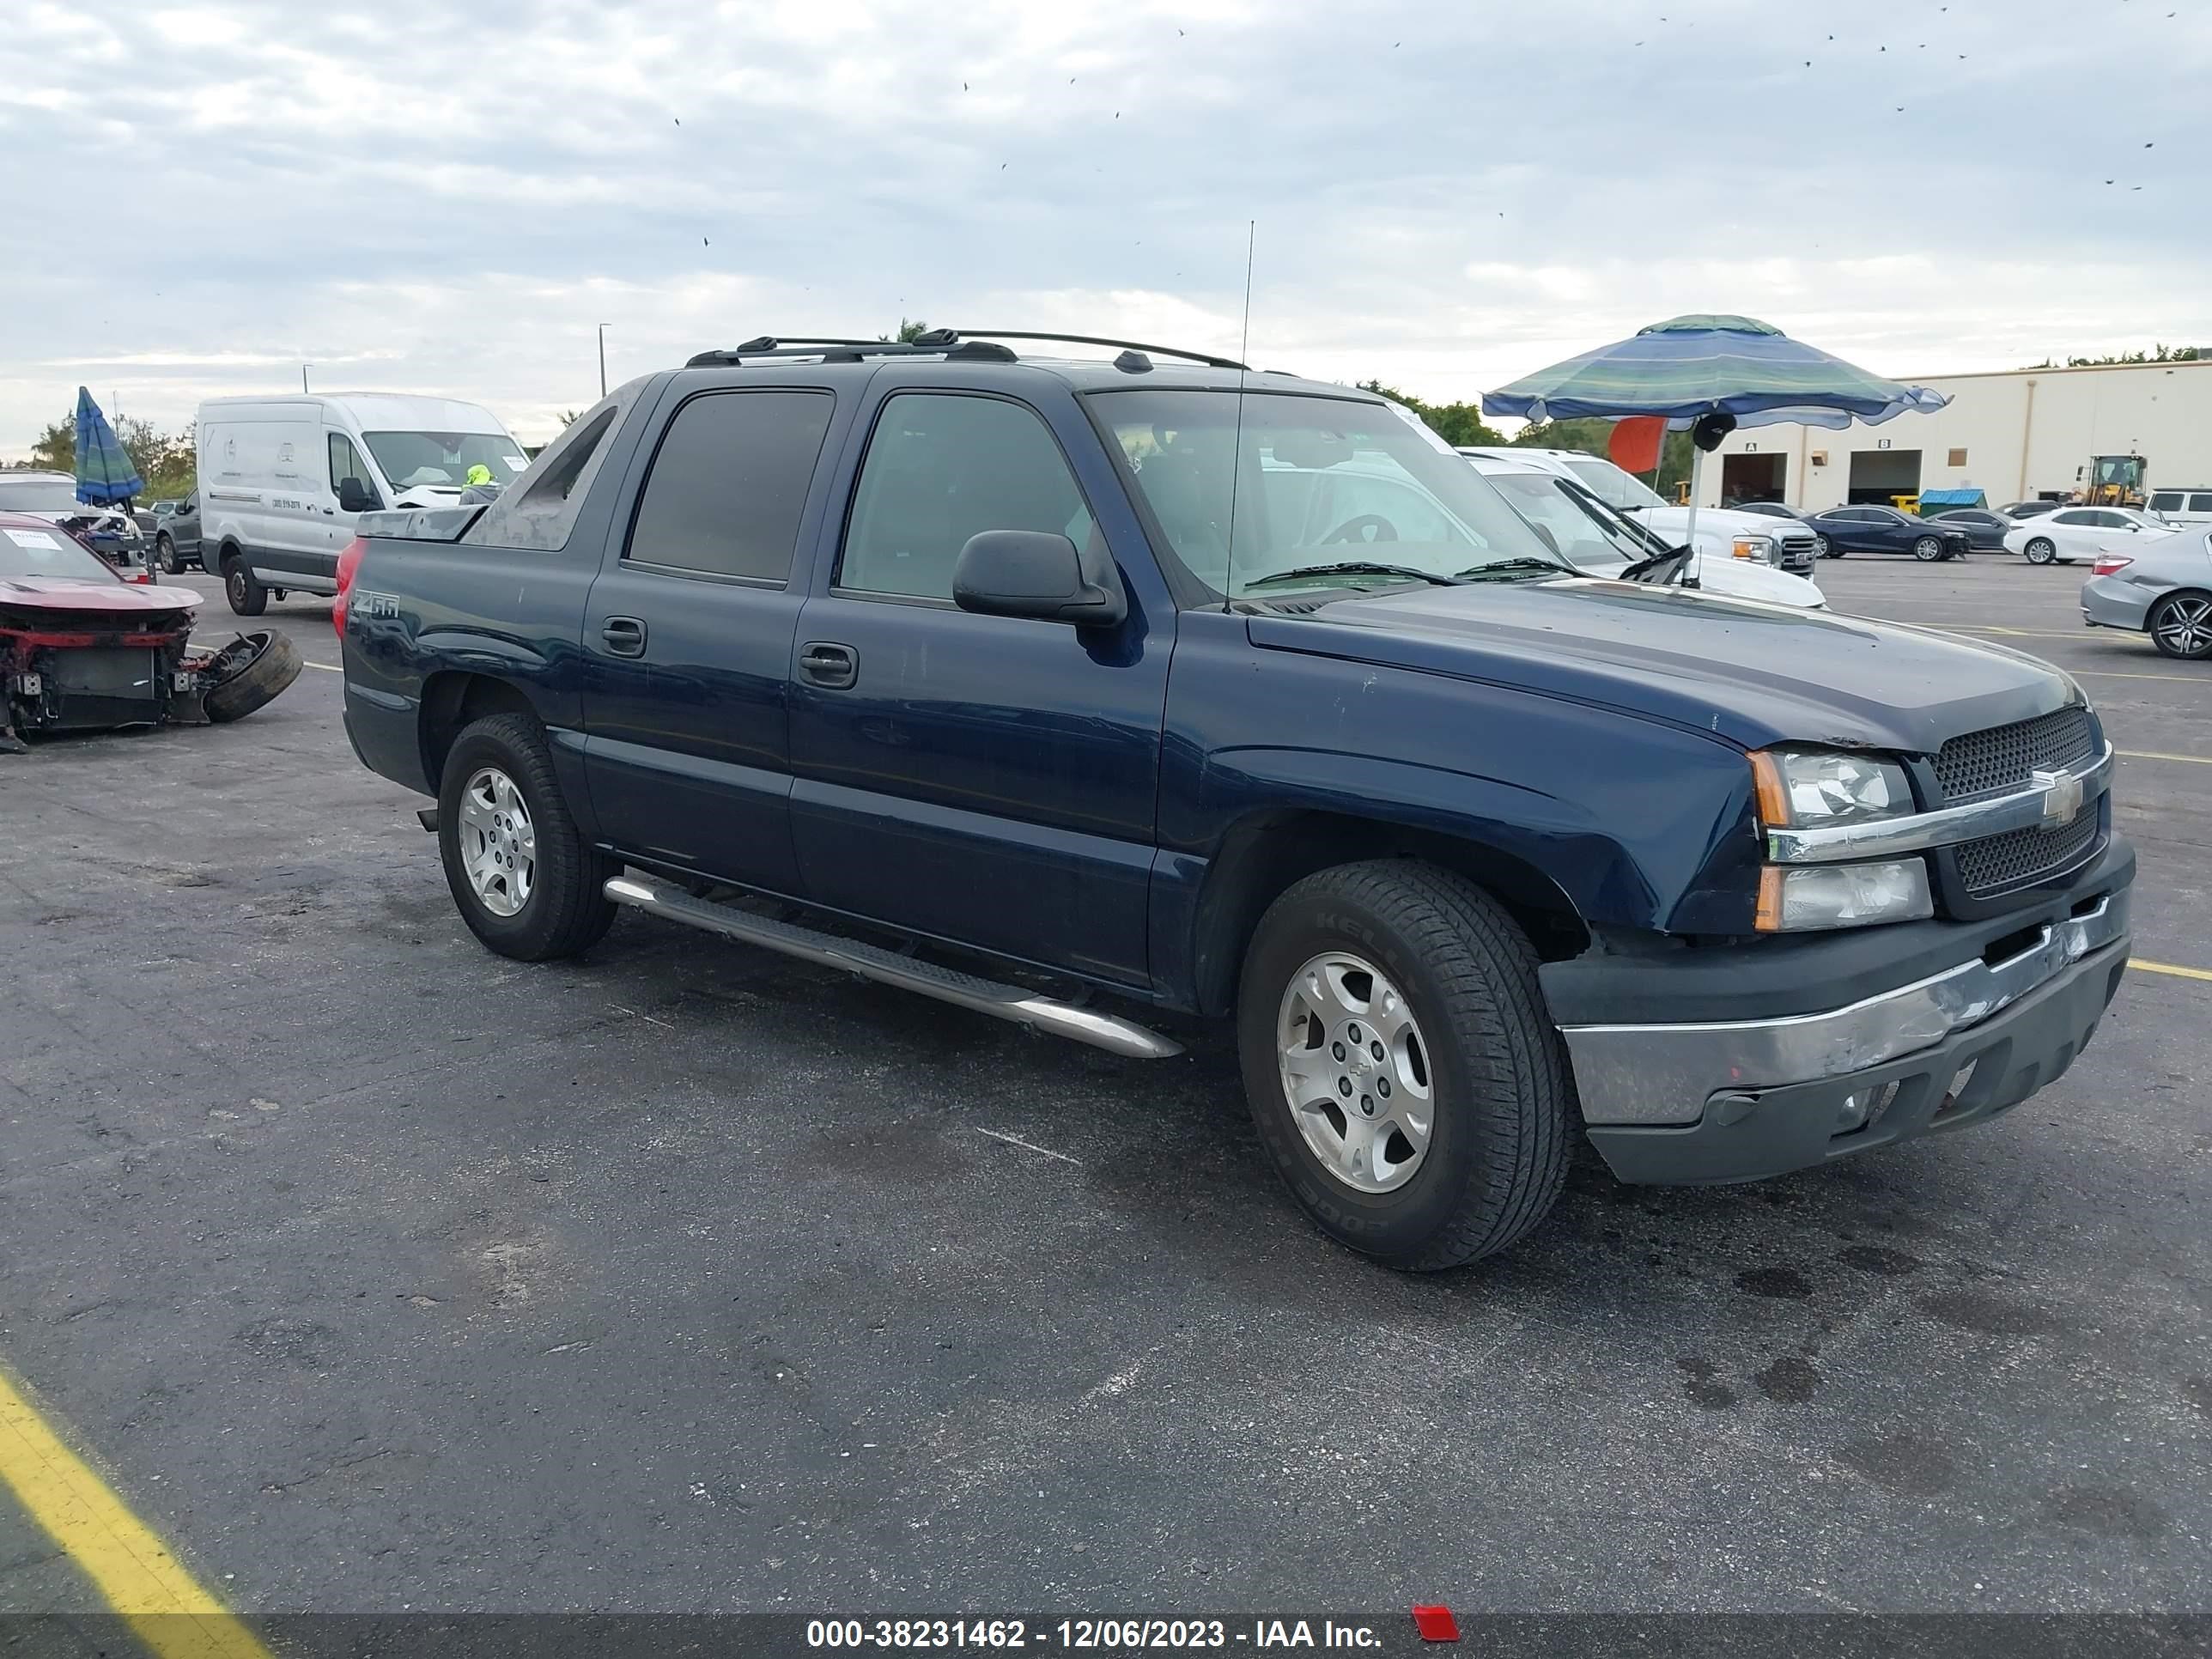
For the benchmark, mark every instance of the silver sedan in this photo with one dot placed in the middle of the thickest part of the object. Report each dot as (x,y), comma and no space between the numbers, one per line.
(2162,587)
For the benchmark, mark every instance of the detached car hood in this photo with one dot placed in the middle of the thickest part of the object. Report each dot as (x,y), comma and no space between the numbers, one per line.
(67,593)
(1751,674)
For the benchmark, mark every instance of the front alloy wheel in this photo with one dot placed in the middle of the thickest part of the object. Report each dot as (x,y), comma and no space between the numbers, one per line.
(1927,549)
(2041,551)
(2181,626)
(1355,1073)
(499,843)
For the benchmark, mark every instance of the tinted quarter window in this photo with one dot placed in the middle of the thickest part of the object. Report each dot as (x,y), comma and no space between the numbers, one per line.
(942,468)
(729,483)
(2200,503)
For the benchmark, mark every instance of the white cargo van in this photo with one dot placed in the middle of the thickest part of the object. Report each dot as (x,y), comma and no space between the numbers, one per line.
(283,479)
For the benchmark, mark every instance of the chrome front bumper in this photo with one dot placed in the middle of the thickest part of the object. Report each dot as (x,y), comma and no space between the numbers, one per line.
(1665,1074)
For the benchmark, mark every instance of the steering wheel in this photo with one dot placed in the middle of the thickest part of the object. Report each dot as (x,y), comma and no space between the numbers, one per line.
(1380,528)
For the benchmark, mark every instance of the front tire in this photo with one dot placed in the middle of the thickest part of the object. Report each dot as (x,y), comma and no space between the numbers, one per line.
(1453,1142)
(521,874)
(1927,549)
(2040,549)
(248,596)
(2180,626)
(1820,549)
(164,555)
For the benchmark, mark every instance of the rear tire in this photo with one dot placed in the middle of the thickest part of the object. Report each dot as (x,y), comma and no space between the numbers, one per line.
(1450,983)
(1820,548)
(248,596)
(552,878)
(2180,626)
(2040,549)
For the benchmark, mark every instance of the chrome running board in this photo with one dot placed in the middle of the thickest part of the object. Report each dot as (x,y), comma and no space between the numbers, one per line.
(1011,1002)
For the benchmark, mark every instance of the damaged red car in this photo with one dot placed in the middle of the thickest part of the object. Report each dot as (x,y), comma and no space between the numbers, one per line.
(83,649)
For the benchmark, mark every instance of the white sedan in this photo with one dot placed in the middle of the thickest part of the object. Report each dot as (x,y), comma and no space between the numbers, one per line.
(2082,532)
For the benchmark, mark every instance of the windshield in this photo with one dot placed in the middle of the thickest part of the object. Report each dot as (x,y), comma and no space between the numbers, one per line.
(408,459)
(38,496)
(1611,485)
(44,552)
(1320,480)
(1587,536)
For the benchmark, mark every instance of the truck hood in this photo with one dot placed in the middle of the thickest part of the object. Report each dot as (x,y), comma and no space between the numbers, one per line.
(1674,522)
(1747,578)
(67,593)
(1751,674)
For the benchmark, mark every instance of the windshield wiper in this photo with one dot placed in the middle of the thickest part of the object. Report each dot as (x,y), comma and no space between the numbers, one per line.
(1354,567)
(1508,568)
(1651,570)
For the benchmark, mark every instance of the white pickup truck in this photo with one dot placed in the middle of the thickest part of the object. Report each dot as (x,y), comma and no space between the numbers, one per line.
(1788,545)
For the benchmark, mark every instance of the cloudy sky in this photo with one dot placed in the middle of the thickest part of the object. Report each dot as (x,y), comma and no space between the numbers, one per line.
(1447,193)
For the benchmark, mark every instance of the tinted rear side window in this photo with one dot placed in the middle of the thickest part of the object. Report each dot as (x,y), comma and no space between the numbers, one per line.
(2200,503)
(729,483)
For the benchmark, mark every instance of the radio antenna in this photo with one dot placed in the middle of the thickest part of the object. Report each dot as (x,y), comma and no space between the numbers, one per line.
(1236,442)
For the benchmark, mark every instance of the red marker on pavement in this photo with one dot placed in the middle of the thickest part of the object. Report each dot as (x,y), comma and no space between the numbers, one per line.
(1436,1624)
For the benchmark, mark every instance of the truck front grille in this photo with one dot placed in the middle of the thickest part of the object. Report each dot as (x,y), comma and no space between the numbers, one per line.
(1996,864)
(2001,760)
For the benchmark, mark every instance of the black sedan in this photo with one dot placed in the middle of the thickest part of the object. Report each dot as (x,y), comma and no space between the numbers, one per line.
(1986,530)
(1886,529)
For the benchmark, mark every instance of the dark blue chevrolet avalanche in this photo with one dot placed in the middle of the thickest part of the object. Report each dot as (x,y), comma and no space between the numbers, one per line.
(1050,688)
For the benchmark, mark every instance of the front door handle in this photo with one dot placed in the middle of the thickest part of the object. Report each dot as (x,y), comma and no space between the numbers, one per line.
(836,667)
(625,635)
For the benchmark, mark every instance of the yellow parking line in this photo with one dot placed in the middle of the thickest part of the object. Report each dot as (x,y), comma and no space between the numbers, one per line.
(2168,968)
(2109,674)
(131,1568)
(2153,754)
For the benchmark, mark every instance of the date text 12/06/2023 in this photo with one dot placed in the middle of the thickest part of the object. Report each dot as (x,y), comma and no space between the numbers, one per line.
(1431,1623)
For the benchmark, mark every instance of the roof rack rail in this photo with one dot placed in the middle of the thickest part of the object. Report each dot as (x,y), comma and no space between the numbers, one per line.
(947,336)
(843,351)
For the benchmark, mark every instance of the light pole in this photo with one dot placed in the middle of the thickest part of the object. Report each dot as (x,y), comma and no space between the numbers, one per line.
(304,367)
(603,360)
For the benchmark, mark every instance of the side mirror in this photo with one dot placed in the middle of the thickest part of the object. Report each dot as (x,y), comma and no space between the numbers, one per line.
(354,496)
(1037,573)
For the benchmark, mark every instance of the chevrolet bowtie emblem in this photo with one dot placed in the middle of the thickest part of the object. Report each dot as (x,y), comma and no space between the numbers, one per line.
(2061,797)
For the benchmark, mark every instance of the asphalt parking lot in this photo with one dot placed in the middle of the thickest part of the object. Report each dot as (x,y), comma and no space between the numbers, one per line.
(374,1271)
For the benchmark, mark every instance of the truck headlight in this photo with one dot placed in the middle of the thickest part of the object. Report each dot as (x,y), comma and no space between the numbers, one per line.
(1808,897)
(1812,789)
(1761,548)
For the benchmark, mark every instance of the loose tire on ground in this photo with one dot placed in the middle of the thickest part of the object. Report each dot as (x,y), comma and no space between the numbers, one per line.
(248,596)
(565,911)
(272,664)
(1501,1094)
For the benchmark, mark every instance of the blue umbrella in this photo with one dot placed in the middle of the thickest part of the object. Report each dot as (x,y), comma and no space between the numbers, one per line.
(1711,375)
(105,471)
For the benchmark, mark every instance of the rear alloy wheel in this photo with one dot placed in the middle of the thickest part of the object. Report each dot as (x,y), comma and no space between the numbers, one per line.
(2181,626)
(1927,549)
(523,876)
(2041,551)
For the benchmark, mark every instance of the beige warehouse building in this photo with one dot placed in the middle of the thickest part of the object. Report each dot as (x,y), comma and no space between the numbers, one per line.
(2014,436)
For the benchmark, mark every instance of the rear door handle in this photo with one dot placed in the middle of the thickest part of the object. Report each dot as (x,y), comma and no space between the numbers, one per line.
(625,635)
(836,667)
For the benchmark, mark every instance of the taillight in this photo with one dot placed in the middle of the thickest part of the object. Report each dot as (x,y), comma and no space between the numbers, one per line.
(2109,564)
(348,561)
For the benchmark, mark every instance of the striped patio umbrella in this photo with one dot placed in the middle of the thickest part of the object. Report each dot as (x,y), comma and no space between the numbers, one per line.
(1710,374)
(1688,366)
(105,471)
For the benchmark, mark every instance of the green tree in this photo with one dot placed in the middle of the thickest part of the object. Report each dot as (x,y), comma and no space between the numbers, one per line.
(2158,355)
(908,332)
(56,448)
(166,460)
(1456,424)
